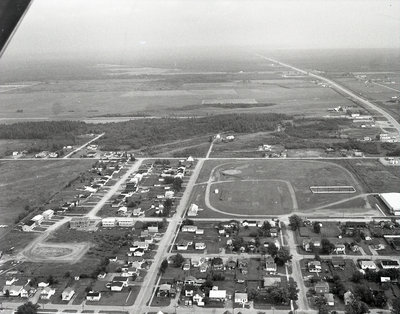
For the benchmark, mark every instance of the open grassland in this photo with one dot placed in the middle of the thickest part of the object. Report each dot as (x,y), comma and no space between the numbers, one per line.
(373,176)
(275,187)
(168,94)
(33,183)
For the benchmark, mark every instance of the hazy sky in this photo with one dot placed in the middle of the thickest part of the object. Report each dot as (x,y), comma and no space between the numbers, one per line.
(117,27)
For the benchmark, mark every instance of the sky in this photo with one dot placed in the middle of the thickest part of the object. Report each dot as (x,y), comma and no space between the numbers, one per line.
(73,28)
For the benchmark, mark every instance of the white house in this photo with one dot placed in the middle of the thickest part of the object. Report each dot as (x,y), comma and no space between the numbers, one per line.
(241,298)
(28,226)
(182,245)
(390,264)
(218,295)
(193,209)
(38,219)
(329,299)
(13,290)
(340,248)
(200,246)
(93,296)
(314,267)
(125,221)
(117,286)
(108,222)
(367,265)
(47,293)
(48,214)
(189,228)
(67,294)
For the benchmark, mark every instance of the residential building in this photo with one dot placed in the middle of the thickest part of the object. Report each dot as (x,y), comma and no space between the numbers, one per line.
(38,219)
(93,296)
(329,299)
(200,246)
(189,228)
(241,298)
(47,293)
(13,290)
(367,265)
(270,265)
(314,267)
(28,226)
(67,294)
(390,264)
(217,295)
(321,287)
(48,214)
(108,222)
(340,248)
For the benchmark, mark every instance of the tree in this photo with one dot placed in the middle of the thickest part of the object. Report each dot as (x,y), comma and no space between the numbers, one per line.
(272,249)
(7,293)
(164,266)
(357,307)
(178,260)
(27,308)
(293,291)
(326,246)
(295,222)
(338,287)
(396,306)
(282,256)
(177,184)
(357,276)
(317,227)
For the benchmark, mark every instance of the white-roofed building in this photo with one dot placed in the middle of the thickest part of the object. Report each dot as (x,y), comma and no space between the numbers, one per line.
(392,201)
(215,294)
(108,222)
(48,214)
(38,219)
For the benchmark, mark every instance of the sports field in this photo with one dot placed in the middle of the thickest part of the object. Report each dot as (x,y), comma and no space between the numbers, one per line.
(276,187)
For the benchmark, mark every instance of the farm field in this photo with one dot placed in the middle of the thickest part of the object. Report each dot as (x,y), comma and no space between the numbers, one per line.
(276,187)
(33,183)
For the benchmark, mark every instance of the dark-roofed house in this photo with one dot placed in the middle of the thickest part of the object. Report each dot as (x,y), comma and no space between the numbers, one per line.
(321,287)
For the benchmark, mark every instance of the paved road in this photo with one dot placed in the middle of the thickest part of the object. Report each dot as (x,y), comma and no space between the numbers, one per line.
(344,90)
(169,236)
(114,189)
(83,146)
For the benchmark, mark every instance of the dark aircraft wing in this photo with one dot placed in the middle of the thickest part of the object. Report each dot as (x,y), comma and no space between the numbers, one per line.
(11,14)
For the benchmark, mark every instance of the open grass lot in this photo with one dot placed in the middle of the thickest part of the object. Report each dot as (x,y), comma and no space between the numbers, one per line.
(33,183)
(275,187)
(256,197)
(373,176)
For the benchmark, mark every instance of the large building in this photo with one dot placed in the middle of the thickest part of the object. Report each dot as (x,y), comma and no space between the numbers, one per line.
(392,201)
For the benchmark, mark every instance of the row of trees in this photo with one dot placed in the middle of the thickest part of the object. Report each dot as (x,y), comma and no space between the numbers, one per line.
(42,129)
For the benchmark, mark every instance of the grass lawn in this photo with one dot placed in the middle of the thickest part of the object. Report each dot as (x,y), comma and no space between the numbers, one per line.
(274,186)
(160,301)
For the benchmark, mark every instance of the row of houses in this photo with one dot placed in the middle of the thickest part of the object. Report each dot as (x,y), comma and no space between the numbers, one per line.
(37,220)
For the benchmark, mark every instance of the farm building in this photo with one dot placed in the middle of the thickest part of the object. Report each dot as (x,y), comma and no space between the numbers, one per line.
(392,201)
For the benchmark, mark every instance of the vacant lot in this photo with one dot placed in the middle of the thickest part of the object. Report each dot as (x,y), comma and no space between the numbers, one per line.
(273,187)
(33,182)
